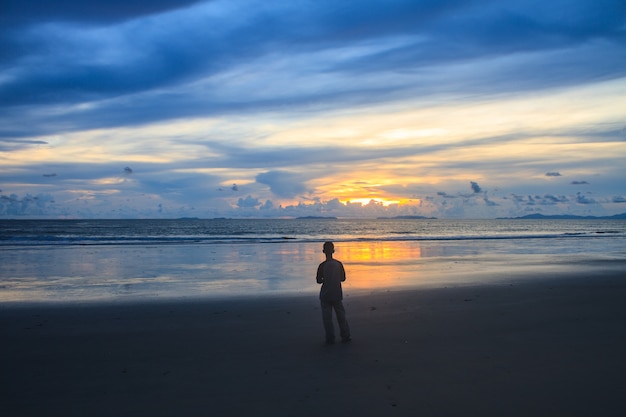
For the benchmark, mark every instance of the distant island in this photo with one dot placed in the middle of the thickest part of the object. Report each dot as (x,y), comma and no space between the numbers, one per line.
(316,218)
(539,216)
(408,217)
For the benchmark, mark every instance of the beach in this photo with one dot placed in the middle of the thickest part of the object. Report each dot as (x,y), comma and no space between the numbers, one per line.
(541,343)
(196,318)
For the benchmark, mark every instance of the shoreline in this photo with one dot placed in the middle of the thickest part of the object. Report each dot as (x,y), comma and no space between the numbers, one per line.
(542,345)
(363,278)
(139,273)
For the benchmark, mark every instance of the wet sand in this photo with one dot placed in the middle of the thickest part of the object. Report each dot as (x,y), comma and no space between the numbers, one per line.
(546,346)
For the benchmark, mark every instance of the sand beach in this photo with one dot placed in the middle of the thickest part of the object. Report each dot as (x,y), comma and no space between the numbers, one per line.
(547,346)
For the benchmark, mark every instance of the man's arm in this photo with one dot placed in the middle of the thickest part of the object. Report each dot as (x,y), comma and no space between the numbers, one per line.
(320,275)
(343,272)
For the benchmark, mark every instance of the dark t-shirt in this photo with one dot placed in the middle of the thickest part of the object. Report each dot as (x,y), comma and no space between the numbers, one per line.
(330,274)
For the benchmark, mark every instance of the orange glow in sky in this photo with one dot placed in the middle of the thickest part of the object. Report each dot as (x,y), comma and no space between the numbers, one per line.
(368,200)
(330,110)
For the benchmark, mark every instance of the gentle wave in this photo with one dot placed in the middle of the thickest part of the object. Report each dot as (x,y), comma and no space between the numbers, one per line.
(207,240)
(230,231)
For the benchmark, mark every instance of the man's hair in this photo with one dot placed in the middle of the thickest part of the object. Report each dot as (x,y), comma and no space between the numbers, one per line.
(329,247)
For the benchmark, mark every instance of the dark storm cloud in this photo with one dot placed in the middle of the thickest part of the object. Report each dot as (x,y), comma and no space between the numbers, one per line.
(456,32)
(16,16)
(31,11)
(122,59)
(136,72)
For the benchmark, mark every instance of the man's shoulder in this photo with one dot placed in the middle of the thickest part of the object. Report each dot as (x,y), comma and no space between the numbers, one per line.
(331,261)
(336,261)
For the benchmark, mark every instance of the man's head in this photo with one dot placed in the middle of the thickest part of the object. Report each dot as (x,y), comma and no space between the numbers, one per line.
(329,248)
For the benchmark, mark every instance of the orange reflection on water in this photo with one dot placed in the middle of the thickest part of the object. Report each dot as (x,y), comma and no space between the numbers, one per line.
(378,264)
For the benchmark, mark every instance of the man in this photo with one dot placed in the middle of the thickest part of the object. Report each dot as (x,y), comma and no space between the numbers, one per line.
(331,274)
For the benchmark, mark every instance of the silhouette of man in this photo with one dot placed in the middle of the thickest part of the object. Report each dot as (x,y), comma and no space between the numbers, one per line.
(331,274)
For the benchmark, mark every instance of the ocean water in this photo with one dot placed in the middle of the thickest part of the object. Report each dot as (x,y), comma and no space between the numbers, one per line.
(119,260)
(219,231)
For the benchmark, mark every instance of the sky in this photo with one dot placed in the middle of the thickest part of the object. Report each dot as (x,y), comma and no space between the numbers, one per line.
(240,108)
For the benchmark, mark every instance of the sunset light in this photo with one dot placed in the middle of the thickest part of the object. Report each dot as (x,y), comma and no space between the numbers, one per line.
(313,207)
(455,113)
(372,201)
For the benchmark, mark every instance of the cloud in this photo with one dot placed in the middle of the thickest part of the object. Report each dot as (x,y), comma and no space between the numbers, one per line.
(582,199)
(143,67)
(8,145)
(247,202)
(579,183)
(475,187)
(19,12)
(196,95)
(540,200)
(28,205)
(619,199)
(267,206)
(553,199)
(283,183)
(489,203)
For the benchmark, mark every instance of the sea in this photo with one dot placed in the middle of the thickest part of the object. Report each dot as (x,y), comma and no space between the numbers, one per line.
(70,261)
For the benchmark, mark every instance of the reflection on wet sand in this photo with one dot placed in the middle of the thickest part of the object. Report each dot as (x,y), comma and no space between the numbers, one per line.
(101,272)
(379,252)
(378,264)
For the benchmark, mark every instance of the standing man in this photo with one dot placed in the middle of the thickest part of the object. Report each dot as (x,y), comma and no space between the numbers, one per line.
(331,274)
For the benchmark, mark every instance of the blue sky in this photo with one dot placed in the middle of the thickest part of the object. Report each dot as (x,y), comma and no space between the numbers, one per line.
(452,109)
